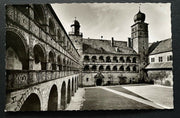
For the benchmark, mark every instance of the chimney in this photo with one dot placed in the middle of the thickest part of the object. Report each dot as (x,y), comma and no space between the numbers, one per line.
(112,42)
(130,43)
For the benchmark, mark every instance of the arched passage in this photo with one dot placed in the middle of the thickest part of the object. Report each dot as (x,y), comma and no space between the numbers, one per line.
(59,62)
(51,27)
(63,96)
(52,60)
(134,68)
(39,56)
(127,68)
(16,51)
(101,59)
(115,68)
(108,59)
(69,92)
(101,68)
(75,84)
(134,60)
(86,68)
(86,58)
(108,68)
(121,68)
(128,60)
(115,59)
(72,86)
(53,97)
(121,59)
(94,59)
(32,103)
(94,68)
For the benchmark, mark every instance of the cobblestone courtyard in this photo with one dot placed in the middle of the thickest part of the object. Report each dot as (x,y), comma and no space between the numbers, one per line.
(122,97)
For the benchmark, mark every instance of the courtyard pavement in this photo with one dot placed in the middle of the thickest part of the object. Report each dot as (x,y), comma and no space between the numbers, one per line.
(160,95)
(122,97)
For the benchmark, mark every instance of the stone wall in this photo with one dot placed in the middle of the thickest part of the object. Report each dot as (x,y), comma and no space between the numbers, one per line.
(16,99)
(110,78)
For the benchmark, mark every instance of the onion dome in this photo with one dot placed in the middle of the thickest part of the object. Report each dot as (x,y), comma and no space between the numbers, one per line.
(139,17)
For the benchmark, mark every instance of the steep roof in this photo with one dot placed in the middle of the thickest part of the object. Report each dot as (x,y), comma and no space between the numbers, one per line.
(165,65)
(160,46)
(99,46)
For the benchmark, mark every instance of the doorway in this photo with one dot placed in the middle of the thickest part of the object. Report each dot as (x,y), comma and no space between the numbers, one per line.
(99,82)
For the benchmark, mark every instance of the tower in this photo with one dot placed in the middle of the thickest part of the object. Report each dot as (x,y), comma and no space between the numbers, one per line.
(77,39)
(76,29)
(76,36)
(139,37)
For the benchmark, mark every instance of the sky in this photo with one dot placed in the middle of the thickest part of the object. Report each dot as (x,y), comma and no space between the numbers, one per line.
(115,19)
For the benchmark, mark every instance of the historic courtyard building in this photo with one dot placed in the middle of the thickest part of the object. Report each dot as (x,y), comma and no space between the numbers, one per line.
(160,66)
(42,63)
(108,62)
(45,65)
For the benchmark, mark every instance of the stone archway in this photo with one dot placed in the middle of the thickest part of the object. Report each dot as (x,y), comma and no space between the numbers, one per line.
(53,99)
(32,103)
(69,92)
(72,86)
(17,51)
(99,79)
(63,96)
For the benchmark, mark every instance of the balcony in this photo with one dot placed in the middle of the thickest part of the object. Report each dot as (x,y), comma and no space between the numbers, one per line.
(19,79)
(77,34)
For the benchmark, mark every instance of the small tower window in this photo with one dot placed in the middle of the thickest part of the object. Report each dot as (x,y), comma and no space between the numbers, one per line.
(87,79)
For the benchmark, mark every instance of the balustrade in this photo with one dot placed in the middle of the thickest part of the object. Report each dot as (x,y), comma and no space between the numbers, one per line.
(18,79)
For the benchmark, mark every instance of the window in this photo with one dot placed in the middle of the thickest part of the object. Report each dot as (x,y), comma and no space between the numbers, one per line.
(160,59)
(169,58)
(87,79)
(152,60)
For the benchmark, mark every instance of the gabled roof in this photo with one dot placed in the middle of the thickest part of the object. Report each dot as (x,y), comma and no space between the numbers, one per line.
(99,46)
(161,46)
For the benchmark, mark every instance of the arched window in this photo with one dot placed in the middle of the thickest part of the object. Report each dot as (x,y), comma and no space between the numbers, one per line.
(115,59)
(127,68)
(39,16)
(59,63)
(86,68)
(128,60)
(115,68)
(86,58)
(121,68)
(59,35)
(51,27)
(101,59)
(134,68)
(39,56)
(93,58)
(134,60)
(121,59)
(108,59)
(52,60)
(101,68)
(108,68)
(94,68)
